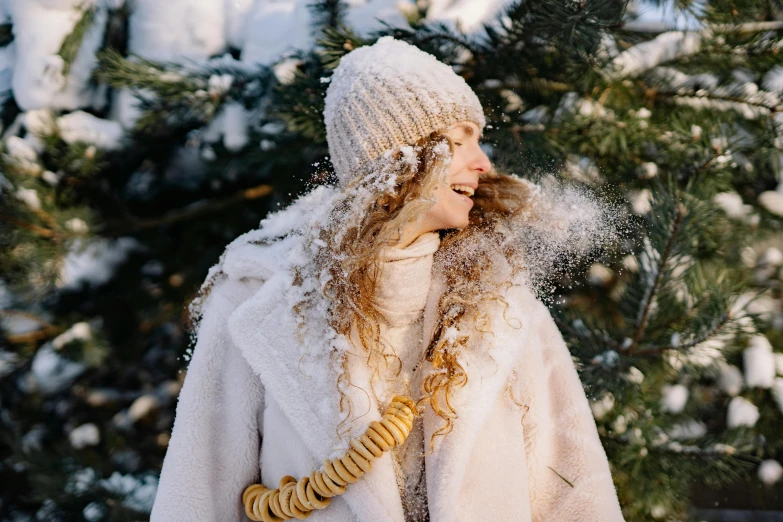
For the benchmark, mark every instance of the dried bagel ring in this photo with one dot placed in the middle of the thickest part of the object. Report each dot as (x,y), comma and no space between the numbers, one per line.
(370,445)
(266,508)
(301,493)
(296,501)
(402,401)
(335,488)
(364,465)
(285,499)
(406,401)
(404,428)
(294,509)
(403,419)
(319,486)
(363,450)
(274,504)
(394,431)
(312,497)
(331,472)
(383,431)
(261,508)
(378,439)
(400,410)
(251,497)
(405,422)
(251,490)
(342,471)
(351,465)
(256,513)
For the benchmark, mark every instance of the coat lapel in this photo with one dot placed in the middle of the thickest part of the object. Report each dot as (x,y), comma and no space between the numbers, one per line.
(487,359)
(302,378)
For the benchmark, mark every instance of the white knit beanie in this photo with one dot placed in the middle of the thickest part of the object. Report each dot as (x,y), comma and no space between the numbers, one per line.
(388,95)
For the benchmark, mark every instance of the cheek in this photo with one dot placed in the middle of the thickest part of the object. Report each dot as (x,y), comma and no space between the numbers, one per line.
(458,163)
(449,205)
(441,199)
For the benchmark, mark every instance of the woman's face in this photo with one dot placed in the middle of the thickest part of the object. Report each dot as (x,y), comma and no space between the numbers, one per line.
(454,197)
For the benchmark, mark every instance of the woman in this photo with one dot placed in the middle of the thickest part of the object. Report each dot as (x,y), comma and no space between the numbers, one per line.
(405,279)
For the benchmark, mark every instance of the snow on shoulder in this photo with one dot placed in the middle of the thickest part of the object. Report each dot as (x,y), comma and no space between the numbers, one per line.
(278,241)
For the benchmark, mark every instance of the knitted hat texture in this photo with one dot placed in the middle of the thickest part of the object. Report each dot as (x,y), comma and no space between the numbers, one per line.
(388,95)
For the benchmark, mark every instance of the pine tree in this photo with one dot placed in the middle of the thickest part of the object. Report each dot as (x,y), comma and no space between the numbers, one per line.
(111,218)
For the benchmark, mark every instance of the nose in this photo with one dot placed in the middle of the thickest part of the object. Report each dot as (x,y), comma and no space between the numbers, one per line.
(480,162)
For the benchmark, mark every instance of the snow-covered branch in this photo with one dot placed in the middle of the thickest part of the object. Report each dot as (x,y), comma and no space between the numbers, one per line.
(661,49)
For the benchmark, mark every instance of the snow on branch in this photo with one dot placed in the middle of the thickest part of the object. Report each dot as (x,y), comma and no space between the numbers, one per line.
(55,49)
(646,55)
(671,45)
(661,27)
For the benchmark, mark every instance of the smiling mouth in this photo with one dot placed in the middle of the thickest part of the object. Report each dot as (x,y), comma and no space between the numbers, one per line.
(464,190)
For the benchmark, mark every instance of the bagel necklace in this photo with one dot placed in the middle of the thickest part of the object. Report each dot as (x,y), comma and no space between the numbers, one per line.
(297,499)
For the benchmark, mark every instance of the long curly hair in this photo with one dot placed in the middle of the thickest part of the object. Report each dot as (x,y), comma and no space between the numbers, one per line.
(372,215)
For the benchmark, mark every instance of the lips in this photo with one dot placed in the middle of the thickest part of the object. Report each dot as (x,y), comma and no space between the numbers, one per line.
(463,198)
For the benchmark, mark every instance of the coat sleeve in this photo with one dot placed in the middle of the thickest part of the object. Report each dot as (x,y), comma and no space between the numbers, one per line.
(569,475)
(215,442)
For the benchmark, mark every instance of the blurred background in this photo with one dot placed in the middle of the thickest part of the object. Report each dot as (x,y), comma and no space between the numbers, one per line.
(139,137)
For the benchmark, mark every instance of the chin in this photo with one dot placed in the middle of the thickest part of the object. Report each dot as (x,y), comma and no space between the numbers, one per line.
(451,214)
(459,223)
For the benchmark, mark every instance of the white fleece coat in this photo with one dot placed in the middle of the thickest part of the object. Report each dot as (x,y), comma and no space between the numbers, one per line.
(258,404)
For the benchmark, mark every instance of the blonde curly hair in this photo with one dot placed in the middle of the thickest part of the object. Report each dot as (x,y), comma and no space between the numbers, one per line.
(371,216)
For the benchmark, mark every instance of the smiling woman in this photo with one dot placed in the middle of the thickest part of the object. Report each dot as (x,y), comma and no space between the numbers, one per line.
(389,313)
(453,195)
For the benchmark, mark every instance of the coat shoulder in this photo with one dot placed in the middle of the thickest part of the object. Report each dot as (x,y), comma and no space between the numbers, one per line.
(262,252)
(531,319)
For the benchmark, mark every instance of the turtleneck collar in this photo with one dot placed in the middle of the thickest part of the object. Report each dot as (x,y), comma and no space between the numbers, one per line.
(423,245)
(404,281)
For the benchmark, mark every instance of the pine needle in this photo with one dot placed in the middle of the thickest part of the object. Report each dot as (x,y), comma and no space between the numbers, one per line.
(561,476)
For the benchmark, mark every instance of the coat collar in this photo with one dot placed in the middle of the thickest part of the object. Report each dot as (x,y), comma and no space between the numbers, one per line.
(304,384)
(302,379)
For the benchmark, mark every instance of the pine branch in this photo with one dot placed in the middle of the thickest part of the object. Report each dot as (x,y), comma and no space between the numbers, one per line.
(656,350)
(327,14)
(194,210)
(565,326)
(41,231)
(659,27)
(673,45)
(335,43)
(717,97)
(462,42)
(535,84)
(707,453)
(644,56)
(516,130)
(165,79)
(574,27)
(703,167)
(561,476)
(175,98)
(73,42)
(652,290)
